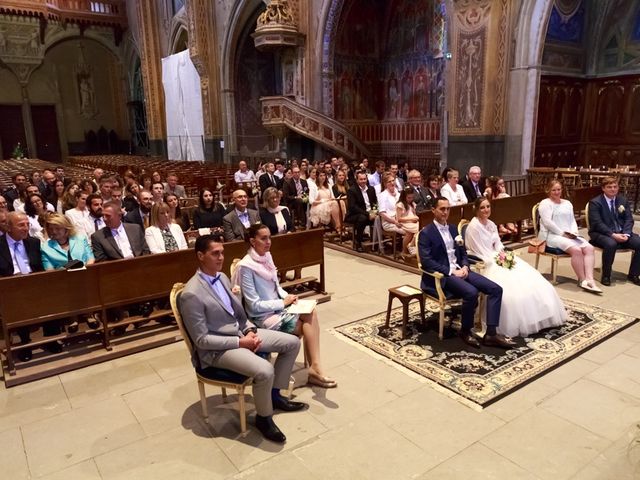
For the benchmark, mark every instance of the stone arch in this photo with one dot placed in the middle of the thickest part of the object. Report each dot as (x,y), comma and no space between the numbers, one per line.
(179,38)
(63,35)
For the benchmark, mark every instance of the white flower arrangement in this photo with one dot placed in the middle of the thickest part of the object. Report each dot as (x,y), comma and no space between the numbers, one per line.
(621,209)
(459,241)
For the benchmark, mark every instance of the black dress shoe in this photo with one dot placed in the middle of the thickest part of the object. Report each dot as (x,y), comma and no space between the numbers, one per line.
(269,429)
(54,347)
(498,341)
(287,405)
(25,355)
(469,339)
(606,281)
(634,278)
(358,248)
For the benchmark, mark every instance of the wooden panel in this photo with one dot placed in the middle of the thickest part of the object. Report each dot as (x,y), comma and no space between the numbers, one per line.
(11,129)
(45,126)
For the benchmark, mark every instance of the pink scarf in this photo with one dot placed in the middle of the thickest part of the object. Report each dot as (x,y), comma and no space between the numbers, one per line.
(261,265)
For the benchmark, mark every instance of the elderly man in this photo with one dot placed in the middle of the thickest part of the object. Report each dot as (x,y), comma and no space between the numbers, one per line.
(47,183)
(243,174)
(20,255)
(142,214)
(172,187)
(424,201)
(611,229)
(237,221)
(117,240)
(269,179)
(224,338)
(474,185)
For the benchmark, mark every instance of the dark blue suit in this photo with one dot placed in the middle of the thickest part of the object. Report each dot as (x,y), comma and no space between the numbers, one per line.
(603,223)
(434,258)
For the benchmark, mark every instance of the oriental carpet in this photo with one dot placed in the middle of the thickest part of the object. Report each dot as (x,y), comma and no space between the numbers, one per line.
(485,375)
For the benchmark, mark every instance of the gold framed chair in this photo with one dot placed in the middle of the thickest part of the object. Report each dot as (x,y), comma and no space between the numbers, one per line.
(555,256)
(218,377)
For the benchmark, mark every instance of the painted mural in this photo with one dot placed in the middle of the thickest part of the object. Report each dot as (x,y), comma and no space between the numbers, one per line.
(388,60)
(567,21)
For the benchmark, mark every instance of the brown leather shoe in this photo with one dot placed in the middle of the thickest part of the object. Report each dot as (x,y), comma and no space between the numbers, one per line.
(498,341)
(469,339)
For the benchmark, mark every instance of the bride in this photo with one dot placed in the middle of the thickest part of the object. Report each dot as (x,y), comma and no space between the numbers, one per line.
(529,302)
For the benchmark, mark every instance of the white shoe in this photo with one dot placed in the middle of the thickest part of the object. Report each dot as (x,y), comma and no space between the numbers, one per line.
(590,287)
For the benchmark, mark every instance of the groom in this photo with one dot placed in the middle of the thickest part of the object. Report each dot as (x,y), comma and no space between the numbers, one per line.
(440,253)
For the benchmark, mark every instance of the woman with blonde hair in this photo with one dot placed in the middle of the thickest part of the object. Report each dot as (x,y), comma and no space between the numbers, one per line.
(62,243)
(452,191)
(559,229)
(163,235)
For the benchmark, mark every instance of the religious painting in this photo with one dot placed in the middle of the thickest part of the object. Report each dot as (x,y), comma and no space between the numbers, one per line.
(421,106)
(393,99)
(406,94)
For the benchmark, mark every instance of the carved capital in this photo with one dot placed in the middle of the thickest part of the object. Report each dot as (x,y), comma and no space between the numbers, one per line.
(278,13)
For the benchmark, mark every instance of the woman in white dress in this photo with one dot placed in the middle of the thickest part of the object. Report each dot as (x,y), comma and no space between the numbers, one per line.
(529,302)
(409,221)
(559,228)
(79,215)
(324,208)
(452,191)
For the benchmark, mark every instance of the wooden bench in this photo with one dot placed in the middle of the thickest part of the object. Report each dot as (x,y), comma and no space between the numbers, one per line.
(34,299)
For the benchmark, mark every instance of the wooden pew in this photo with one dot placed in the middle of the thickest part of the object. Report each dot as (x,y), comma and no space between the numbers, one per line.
(33,299)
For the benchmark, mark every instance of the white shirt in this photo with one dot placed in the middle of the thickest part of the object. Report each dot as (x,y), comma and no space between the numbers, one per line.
(120,236)
(367,203)
(81,220)
(374,179)
(451,247)
(245,215)
(387,203)
(242,177)
(11,243)
(455,198)
(278,174)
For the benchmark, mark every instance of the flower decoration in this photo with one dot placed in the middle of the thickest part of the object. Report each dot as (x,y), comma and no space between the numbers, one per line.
(621,209)
(235,290)
(506,259)
(305,198)
(459,240)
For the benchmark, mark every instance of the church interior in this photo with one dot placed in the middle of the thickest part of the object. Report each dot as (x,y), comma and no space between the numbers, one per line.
(529,91)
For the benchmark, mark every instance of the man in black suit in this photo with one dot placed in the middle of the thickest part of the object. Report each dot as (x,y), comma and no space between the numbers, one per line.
(268,179)
(293,191)
(474,185)
(60,176)
(360,200)
(611,228)
(142,214)
(424,200)
(20,255)
(47,184)
(117,240)
(12,194)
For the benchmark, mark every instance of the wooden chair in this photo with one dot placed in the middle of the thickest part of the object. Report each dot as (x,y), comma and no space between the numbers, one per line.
(218,377)
(438,295)
(554,253)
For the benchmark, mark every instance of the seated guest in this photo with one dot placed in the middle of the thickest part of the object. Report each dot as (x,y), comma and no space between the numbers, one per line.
(274,215)
(393,168)
(340,189)
(294,191)
(94,204)
(63,244)
(46,185)
(18,205)
(56,196)
(266,302)
(146,182)
(130,200)
(35,177)
(35,210)
(434,183)
(172,186)
(20,255)
(209,213)
(156,177)
(496,189)
(237,221)
(376,177)
(422,197)
(105,187)
(69,196)
(452,191)
(387,204)
(129,178)
(611,229)
(440,253)
(87,186)
(474,185)
(19,186)
(117,240)
(406,216)
(361,199)
(223,337)
(524,311)
(323,209)
(4,207)
(157,192)
(4,222)
(79,215)
(163,236)
(559,229)
(269,178)
(175,213)
(244,175)
(140,215)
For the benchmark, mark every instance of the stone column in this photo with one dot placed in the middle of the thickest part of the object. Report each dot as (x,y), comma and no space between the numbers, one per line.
(151,66)
(27,120)
(479,31)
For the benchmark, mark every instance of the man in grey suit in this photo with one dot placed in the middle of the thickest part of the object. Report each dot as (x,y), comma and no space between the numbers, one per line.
(237,221)
(117,240)
(225,338)
(172,187)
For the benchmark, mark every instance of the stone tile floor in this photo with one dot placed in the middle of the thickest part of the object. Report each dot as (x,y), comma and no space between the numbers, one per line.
(139,417)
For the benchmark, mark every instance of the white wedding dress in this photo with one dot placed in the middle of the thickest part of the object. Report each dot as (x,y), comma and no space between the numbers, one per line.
(529,302)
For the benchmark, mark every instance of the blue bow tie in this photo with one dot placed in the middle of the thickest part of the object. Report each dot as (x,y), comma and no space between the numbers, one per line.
(215,279)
